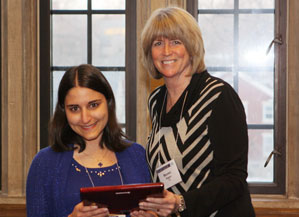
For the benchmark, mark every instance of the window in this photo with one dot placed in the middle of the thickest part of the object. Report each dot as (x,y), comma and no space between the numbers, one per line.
(93,32)
(1,106)
(20,135)
(268,111)
(237,36)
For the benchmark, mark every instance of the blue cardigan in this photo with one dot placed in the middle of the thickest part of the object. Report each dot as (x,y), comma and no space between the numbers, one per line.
(48,176)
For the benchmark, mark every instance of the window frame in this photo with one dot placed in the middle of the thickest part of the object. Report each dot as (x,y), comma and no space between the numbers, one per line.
(278,186)
(46,69)
(1,97)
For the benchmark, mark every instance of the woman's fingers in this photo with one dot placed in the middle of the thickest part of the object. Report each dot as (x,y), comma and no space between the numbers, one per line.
(95,211)
(89,211)
(162,206)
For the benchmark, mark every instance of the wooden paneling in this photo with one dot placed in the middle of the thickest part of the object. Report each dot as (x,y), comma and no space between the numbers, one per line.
(12,98)
(293,102)
(276,212)
(12,210)
(142,117)
(19,106)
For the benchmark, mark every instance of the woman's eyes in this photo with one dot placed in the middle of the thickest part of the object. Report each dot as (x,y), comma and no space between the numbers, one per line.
(172,42)
(74,108)
(94,105)
(157,43)
(176,42)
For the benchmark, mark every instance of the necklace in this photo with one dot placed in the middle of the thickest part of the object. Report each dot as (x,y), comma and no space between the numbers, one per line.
(181,115)
(100,164)
(99,160)
(119,173)
(90,179)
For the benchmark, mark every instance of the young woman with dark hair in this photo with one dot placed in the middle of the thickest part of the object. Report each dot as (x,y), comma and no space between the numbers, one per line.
(87,148)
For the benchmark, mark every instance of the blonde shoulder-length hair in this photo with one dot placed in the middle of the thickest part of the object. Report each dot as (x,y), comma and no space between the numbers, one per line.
(172,23)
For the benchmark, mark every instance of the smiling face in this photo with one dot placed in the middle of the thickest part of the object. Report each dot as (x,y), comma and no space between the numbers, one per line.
(170,57)
(87,113)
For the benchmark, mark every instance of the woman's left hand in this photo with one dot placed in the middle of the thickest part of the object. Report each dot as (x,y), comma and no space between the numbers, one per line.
(162,206)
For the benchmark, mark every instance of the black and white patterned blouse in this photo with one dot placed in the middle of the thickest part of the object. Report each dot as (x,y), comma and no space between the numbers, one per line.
(209,145)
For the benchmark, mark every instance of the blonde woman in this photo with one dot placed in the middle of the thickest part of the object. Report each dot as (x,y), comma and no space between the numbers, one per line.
(199,126)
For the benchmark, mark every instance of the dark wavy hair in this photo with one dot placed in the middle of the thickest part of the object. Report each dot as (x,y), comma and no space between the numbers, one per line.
(61,134)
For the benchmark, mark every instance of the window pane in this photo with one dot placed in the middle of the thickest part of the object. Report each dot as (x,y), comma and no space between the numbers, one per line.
(256,89)
(260,146)
(108,45)
(69,40)
(111,4)
(255,38)
(56,78)
(217,31)
(256,4)
(236,47)
(226,76)
(215,4)
(119,90)
(69,5)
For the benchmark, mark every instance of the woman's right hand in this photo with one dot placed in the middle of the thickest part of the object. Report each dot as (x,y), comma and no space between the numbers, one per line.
(87,211)
(163,207)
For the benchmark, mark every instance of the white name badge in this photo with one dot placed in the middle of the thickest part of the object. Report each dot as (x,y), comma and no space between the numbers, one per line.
(117,215)
(168,173)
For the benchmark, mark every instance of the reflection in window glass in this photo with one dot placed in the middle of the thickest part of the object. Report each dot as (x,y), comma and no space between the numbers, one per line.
(119,90)
(226,76)
(69,5)
(216,4)
(245,105)
(255,37)
(256,87)
(268,116)
(108,45)
(111,4)
(260,146)
(256,4)
(56,78)
(69,40)
(217,31)
(236,42)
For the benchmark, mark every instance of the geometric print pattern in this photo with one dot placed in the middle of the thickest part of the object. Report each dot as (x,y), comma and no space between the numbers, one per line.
(193,153)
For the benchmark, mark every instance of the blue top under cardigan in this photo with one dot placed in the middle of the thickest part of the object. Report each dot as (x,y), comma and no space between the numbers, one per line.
(48,175)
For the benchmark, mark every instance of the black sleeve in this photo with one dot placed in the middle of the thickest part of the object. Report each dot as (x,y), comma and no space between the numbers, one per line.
(227,131)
